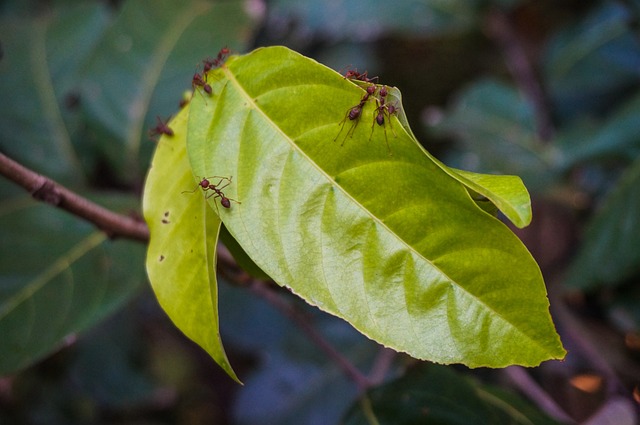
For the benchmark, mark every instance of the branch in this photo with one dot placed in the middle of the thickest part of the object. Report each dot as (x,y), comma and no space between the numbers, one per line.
(526,384)
(47,190)
(258,288)
(502,32)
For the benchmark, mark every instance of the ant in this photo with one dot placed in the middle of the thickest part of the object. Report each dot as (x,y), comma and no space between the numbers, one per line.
(383,109)
(205,184)
(199,81)
(354,113)
(219,60)
(353,74)
(161,128)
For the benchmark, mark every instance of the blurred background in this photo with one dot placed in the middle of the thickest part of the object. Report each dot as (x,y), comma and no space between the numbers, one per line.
(547,90)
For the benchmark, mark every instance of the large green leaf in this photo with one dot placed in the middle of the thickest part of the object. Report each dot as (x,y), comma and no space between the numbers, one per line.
(59,277)
(389,242)
(181,256)
(611,250)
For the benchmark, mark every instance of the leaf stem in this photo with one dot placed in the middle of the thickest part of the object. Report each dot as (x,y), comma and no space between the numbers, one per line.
(46,190)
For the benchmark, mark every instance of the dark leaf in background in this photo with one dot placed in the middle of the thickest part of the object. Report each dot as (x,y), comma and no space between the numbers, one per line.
(496,127)
(294,382)
(594,62)
(610,252)
(433,394)
(59,277)
(368,20)
(615,136)
(143,65)
(35,74)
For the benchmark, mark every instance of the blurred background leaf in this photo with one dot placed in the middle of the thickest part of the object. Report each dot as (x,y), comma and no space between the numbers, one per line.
(437,394)
(59,276)
(292,382)
(610,253)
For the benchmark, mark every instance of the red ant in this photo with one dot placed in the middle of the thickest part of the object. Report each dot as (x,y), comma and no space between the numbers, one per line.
(160,129)
(353,74)
(355,112)
(219,60)
(382,109)
(206,184)
(199,81)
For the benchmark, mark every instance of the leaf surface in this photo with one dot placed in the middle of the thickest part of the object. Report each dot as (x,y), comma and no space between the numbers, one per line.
(507,193)
(389,242)
(181,257)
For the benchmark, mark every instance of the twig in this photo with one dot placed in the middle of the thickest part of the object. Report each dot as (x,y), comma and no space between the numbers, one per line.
(47,190)
(525,383)
(381,365)
(361,381)
(579,336)
(501,31)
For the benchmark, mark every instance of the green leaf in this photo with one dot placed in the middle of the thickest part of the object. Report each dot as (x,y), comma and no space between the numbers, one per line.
(59,277)
(507,193)
(181,257)
(611,249)
(389,242)
(437,394)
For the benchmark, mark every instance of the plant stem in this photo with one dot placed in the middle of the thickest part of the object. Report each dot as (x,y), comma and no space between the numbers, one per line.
(525,383)
(260,289)
(46,190)
(117,225)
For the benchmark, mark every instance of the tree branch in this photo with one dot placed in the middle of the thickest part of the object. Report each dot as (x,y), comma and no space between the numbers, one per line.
(116,225)
(46,190)
(502,32)
(525,383)
(361,381)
